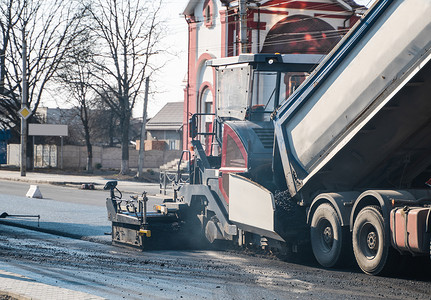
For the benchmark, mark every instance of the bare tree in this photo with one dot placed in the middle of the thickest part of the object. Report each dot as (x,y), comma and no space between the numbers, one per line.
(50,29)
(128,35)
(75,75)
(10,14)
(105,121)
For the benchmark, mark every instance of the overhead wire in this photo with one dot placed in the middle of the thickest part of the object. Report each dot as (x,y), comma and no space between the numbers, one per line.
(291,21)
(233,13)
(230,14)
(180,20)
(319,6)
(299,39)
(303,36)
(309,33)
(316,7)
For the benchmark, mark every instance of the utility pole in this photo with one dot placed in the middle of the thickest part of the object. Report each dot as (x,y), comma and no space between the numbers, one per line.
(24,96)
(143,131)
(243,25)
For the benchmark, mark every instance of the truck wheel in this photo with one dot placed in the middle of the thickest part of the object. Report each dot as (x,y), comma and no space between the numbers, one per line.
(369,245)
(326,235)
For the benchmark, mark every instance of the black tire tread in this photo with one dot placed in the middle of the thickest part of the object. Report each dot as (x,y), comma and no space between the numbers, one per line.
(391,253)
(346,254)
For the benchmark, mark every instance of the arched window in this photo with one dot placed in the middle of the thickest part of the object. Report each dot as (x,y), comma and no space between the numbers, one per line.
(205,106)
(301,34)
(208,13)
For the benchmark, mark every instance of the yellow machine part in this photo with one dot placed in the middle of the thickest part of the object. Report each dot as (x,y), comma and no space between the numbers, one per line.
(145,232)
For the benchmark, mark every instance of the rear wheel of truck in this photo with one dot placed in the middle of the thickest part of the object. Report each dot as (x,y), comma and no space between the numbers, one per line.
(327,237)
(369,246)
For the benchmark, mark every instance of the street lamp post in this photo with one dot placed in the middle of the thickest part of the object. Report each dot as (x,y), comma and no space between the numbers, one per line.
(23,165)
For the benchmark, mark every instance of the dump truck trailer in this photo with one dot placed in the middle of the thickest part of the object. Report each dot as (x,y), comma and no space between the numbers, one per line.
(342,163)
(359,131)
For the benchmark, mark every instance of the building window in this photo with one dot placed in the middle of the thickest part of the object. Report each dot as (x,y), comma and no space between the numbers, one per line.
(208,13)
(292,80)
(173,145)
(205,106)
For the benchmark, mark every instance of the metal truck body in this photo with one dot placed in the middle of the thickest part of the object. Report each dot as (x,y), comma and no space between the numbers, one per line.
(341,163)
(362,105)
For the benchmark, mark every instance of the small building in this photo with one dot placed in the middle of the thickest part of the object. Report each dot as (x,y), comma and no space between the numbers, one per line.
(167,126)
(58,115)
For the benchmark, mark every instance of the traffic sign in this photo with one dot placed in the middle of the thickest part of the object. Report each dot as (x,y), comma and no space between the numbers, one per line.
(48,129)
(24,112)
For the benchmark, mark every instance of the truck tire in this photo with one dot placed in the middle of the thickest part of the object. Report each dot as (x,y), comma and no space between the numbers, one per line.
(369,246)
(327,237)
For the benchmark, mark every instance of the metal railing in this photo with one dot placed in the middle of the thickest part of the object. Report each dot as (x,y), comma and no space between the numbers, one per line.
(168,179)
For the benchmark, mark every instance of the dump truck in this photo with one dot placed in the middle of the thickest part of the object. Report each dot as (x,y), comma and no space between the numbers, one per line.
(336,155)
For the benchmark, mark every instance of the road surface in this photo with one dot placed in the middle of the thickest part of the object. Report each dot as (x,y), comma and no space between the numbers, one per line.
(100,269)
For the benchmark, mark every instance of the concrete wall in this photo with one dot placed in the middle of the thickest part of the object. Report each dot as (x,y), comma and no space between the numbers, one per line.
(13,154)
(75,157)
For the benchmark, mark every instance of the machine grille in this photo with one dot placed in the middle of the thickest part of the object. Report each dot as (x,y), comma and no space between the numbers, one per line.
(266,136)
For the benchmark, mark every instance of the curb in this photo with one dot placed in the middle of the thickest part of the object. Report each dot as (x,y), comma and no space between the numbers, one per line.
(55,232)
(71,183)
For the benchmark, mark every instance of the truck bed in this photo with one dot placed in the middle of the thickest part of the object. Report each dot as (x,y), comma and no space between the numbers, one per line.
(362,119)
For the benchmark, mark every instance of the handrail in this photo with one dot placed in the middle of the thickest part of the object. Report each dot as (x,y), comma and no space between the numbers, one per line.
(179,165)
(193,125)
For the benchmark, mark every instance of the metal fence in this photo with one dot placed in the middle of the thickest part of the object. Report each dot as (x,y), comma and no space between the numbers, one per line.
(45,156)
(169,178)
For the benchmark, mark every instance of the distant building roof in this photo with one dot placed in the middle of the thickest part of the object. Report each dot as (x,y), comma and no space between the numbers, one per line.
(170,117)
(69,116)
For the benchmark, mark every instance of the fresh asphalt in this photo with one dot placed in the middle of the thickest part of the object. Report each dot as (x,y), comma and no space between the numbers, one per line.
(65,208)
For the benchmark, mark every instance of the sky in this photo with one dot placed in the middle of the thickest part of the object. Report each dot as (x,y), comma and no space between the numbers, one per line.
(170,83)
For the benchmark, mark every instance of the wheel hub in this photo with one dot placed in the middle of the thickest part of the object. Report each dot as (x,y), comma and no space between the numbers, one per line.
(328,235)
(372,241)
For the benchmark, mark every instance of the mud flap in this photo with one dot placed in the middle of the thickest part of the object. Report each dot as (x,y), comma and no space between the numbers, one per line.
(252,207)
